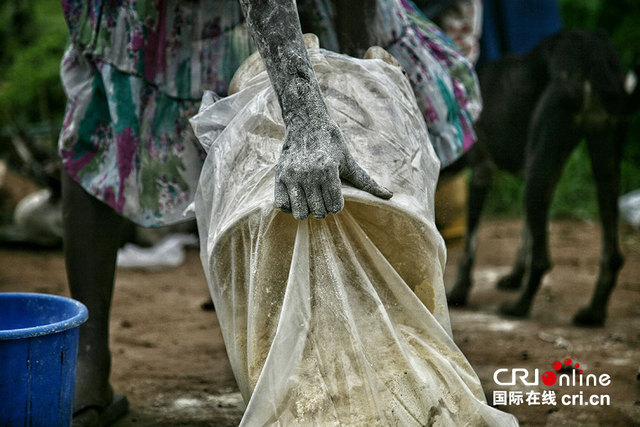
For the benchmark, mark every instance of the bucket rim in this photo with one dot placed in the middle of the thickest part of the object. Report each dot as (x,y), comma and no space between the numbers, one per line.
(37,331)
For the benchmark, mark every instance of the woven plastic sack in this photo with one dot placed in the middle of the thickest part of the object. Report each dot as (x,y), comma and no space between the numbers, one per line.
(341,321)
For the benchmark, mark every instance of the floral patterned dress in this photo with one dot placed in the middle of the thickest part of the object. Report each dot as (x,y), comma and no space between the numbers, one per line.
(135,70)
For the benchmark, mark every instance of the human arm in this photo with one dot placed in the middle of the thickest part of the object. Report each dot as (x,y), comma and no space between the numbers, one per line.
(314,154)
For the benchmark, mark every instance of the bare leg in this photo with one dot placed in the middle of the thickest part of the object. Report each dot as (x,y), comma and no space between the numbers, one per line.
(605,162)
(92,235)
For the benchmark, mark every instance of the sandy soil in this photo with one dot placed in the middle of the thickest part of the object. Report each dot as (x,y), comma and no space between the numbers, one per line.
(170,361)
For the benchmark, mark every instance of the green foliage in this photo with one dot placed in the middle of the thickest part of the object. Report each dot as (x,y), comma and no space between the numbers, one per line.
(575,196)
(619,18)
(506,195)
(32,43)
(580,13)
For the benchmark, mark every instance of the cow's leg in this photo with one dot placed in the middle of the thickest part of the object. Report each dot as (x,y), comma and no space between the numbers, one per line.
(479,186)
(553,137)
(605,153)
(92,235)
(513,280)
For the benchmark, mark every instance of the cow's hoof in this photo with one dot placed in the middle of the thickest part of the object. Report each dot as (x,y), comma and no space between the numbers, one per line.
(457,296)
(510,282)
(514,309)
(588,317)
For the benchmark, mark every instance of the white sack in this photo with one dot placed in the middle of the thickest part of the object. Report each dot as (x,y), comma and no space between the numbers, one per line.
(342,320)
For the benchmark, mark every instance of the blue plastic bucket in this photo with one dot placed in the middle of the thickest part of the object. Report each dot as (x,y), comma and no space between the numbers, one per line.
(38,355)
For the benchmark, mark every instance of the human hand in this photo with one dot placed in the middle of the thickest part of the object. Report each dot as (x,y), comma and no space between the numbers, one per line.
(314,155)
(314,158)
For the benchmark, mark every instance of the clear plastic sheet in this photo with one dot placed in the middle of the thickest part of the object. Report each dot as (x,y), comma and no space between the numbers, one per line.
(341,321)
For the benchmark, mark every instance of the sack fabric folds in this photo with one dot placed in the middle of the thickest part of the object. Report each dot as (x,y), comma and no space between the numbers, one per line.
(340,321)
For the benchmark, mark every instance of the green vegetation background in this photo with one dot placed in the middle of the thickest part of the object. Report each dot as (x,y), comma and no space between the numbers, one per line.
(33,35)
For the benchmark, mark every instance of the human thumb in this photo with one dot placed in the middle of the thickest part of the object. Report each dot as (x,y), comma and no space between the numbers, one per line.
(361,179)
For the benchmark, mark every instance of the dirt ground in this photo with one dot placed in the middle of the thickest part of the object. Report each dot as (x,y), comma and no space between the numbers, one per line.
(170,361)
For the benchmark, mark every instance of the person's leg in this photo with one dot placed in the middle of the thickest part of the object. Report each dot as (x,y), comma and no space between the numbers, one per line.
(92,235)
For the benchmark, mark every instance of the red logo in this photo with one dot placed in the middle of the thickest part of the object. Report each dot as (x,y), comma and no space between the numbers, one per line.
(549,378)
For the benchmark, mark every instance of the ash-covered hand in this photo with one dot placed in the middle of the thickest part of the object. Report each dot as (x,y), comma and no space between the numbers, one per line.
(314,154)
(314,158)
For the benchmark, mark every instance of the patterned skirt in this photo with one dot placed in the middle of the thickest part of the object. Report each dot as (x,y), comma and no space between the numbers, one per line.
(134,74)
